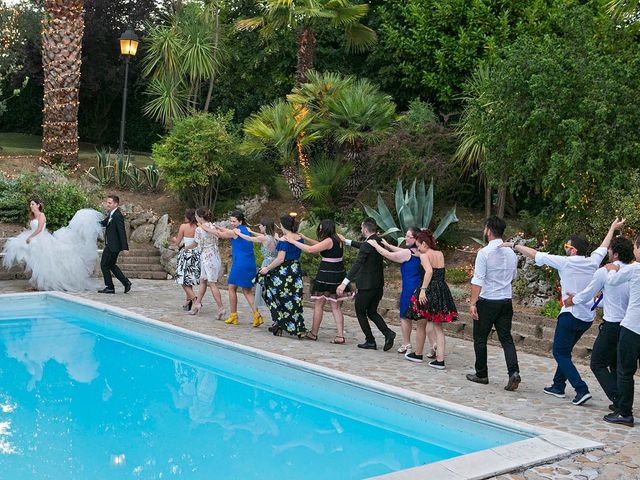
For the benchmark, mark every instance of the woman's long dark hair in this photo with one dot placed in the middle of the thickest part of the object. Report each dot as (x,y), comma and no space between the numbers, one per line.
(240,216)
(190,215)
(327,229)
(204,213)
(38,202)
(269,225)
(289,222)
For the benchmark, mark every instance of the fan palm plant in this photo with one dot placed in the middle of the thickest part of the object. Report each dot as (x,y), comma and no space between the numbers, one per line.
(302,16)
(414,208)
(624,8)
(277,129)
(355,117)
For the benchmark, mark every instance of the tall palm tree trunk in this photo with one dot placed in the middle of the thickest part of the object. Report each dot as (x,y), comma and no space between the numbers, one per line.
(295,183)
(62,30)
(354,154)
(215,54)
(306,42)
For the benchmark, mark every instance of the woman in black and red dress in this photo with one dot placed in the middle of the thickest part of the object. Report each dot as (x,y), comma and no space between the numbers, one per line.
(432,300)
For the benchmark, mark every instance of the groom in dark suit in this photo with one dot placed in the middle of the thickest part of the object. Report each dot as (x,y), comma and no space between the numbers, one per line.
(368,273)
(115,241)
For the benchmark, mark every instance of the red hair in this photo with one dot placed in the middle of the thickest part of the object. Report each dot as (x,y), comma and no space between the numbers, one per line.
(425,236)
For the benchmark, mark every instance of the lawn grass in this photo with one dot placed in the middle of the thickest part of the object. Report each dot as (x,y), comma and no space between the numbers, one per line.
(24,144)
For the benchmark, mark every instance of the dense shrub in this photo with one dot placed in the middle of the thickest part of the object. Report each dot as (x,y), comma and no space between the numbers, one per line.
(61,199)
(409,154)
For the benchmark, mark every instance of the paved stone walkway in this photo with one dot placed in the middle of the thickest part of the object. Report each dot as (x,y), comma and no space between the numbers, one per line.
(620,459)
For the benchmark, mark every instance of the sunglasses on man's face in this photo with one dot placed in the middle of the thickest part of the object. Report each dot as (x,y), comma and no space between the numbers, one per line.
(568,245)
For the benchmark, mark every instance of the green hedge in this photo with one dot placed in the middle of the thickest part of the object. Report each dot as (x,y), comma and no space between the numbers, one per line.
(60,199)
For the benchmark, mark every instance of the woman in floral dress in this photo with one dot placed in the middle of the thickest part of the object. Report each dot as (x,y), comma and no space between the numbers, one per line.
(282,284)
(188,263)
(210,264)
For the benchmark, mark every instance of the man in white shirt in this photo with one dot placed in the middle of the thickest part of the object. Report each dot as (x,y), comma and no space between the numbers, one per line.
(629,339)
(575,271)
(614,301)
(491,305)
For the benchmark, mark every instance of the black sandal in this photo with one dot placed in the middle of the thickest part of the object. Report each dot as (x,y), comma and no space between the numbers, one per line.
(338,340)
(311,336)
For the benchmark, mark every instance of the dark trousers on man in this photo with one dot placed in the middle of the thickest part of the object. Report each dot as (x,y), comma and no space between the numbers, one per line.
(628,357)
(108,265)
(604,358)
(568,331)
(496,314)
(366,305)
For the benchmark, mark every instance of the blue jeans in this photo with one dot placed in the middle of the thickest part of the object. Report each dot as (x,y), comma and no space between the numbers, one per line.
(568,331)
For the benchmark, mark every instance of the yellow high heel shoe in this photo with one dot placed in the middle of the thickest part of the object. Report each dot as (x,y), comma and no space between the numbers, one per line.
(232,320)
(257,319)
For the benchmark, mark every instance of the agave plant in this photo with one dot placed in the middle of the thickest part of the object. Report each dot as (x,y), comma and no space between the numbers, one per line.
(103,172)
(414,208)
(152,174)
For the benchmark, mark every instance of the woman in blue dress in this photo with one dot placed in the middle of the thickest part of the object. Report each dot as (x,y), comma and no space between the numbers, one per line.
(243,268)
(411,277)
(282,284)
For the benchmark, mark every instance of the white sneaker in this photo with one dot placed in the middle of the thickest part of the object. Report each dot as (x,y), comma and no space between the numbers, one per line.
(404,348)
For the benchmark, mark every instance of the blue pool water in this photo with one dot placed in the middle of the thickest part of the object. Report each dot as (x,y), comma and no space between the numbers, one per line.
(85,394)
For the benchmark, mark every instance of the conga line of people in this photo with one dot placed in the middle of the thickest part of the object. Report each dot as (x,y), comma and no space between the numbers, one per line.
(425,299)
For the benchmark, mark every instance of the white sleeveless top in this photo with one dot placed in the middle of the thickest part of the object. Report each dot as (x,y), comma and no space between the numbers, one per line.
(186,241)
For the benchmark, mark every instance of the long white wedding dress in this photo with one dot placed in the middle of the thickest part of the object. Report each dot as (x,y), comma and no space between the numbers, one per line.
(64,260)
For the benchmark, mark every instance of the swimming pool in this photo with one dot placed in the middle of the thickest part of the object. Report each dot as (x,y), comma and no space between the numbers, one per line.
(92,392)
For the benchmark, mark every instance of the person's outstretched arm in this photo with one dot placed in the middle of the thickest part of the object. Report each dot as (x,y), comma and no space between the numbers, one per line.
(615,225)
(400,256)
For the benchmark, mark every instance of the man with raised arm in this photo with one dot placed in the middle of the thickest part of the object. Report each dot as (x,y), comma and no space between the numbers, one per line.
(575,270)
(614,300)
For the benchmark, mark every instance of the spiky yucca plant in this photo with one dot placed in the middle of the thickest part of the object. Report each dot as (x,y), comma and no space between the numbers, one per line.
(414,208)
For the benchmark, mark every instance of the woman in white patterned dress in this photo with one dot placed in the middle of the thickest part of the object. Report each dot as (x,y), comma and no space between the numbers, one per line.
(210,264)
(188,263)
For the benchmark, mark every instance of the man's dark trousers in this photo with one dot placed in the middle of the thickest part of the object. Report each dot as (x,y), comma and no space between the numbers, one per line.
(108,265)
(366,305)
(628,357)
(498,314)
(604,359)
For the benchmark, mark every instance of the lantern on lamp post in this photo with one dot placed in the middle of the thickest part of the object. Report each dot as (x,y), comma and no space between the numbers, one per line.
(128,48)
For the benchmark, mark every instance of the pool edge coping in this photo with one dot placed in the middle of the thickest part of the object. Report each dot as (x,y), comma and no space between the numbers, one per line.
(547,445)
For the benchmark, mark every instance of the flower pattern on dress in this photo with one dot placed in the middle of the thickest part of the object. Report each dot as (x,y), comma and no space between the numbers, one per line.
(282,291)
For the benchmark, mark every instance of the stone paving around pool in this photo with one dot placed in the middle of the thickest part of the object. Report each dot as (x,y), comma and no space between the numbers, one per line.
(620,459)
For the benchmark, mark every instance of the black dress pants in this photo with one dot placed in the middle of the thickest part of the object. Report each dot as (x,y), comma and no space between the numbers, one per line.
(498,314)
(366,305)
(628,357)
(604,359)
(108,265)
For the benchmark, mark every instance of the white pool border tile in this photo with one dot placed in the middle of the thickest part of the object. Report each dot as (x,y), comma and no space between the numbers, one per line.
(547,445)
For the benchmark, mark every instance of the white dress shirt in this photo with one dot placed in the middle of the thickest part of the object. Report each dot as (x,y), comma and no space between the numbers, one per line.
(616,297)
(630,274)
(575,274)
(494,271)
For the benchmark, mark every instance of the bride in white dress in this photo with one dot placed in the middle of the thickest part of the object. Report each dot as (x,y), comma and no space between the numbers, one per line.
(64,260)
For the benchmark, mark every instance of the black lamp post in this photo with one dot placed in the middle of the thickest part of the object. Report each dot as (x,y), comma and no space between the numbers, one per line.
(128,48)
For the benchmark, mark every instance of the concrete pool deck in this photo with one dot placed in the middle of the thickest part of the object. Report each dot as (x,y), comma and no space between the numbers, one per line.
(619,459)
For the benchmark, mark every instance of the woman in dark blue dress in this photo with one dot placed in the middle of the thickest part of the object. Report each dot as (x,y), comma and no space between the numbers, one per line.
(411,277)
(243,267)
(282,284)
